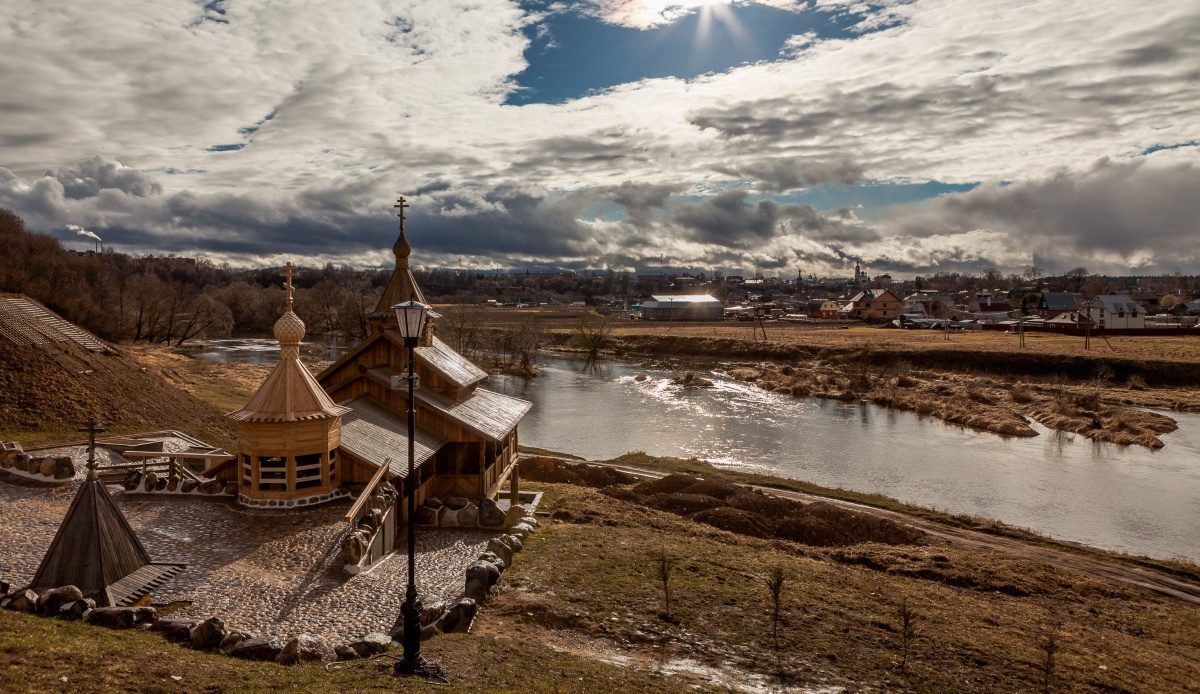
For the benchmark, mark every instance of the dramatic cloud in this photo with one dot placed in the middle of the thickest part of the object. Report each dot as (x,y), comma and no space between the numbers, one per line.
(251,131)
(1114,217)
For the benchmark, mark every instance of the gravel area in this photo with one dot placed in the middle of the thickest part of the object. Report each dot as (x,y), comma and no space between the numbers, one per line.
(268,572)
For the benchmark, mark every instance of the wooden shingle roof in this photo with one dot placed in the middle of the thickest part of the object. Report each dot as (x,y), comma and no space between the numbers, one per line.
(289,394)
(456,367)
(485,412)
(96,550)
(372,434)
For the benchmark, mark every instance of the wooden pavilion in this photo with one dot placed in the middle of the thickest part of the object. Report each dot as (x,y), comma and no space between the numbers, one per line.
(96,550)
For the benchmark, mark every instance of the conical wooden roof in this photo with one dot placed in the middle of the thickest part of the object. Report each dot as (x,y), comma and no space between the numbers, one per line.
(402,286)
(290,394)
(97,551)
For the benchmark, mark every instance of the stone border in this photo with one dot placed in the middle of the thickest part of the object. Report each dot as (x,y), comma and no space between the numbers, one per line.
(302,502)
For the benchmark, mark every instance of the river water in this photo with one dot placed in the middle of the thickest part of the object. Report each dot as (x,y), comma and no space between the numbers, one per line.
(1066,486)
(1127,499)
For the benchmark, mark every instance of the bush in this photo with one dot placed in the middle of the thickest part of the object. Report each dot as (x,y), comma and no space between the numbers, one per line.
(1022,393)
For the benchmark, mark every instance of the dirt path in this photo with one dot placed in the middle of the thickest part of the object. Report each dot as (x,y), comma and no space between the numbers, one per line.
(1097,567)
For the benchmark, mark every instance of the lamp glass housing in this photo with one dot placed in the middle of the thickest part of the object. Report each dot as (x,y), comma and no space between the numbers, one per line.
(411,317)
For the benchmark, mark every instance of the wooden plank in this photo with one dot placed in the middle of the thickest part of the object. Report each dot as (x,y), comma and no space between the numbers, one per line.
(366,492)
(177,456)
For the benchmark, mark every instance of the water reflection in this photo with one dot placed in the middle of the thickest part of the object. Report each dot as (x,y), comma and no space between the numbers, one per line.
(1064,485)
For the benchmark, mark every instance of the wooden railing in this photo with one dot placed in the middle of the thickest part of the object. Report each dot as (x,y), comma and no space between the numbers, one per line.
(361,501)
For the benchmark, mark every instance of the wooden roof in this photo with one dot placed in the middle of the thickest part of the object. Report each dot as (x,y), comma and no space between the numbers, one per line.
(289,394)
(96,550)
(485,412)
(372,434)
(401,287)
(449,363)
(25,322)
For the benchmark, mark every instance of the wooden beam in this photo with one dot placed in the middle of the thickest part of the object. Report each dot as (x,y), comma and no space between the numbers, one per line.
(366,492)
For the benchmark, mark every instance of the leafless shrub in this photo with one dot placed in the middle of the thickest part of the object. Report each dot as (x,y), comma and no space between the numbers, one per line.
(1021,393)
(1135,382)
(664,565)
(775,580)
(1047,651)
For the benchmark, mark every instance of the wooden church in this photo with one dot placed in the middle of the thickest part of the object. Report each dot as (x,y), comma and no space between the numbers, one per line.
(305,440)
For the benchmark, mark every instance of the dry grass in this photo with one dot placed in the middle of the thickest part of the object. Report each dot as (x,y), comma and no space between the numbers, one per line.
(982,613)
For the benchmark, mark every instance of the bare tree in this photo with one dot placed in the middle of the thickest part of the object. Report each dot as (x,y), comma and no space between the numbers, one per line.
(908,629)
(664,565)
(775,580)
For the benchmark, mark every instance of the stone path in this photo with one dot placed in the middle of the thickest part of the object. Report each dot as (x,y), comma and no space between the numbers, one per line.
(268,572)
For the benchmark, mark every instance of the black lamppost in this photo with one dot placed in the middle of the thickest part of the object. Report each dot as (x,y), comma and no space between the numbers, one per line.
(411,317)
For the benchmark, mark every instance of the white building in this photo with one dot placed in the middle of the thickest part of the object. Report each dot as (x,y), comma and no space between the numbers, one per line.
(1115,312)
(683,307)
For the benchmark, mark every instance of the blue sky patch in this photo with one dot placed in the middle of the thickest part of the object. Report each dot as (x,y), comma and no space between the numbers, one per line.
(1159,148)
(571,55)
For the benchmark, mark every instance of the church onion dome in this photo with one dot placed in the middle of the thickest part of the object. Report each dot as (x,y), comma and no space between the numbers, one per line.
(289,393)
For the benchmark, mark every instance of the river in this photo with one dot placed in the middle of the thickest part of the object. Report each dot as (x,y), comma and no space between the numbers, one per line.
(1066,486)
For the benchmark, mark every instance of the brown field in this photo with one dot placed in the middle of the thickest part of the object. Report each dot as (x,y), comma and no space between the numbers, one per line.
(840,335)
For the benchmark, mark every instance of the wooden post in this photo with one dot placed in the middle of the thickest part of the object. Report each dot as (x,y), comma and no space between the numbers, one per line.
(514,486)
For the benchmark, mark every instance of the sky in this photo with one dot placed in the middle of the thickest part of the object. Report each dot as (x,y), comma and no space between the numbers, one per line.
(773,136)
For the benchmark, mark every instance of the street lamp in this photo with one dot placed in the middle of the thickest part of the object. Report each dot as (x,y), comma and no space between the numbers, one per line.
(411,317)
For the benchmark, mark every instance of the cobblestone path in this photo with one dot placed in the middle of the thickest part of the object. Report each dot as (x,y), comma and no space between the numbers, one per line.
(268,572)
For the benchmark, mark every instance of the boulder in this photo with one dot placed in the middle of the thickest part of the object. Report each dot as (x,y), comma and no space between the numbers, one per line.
(304,648)
(133,480)
(344,652)
(23,601)
(173,484)
(426,516)
(122,617)
(7,458)
(448,517)
(515,515)
(493,559)
(371,644)
(458,617)
(258,648)
(21,462)
(231,487)
(468,516)
(46,467)
(212,487)
(150,481)
(159,486)
(188,486)
(515,541)
(483,572)
(209,634)
(501,549)
(232,640)
(490,515)
(64,468)
(176,629)
(354,547)
(55,598)
(433,502)
(477,590)
(4,588)
(77,610)
(521,530)
(457,502)
(432,610)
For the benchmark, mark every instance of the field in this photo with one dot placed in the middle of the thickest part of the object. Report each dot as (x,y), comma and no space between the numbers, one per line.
(583,610)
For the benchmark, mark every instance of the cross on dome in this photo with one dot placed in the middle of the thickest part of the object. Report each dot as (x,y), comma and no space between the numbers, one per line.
(289,272)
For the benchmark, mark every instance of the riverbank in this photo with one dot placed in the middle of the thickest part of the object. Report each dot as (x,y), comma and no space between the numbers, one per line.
(977,382)
(582,609)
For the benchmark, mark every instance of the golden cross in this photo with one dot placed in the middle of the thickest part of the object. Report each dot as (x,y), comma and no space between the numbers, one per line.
(289,272)
(401,205)
(92,430)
